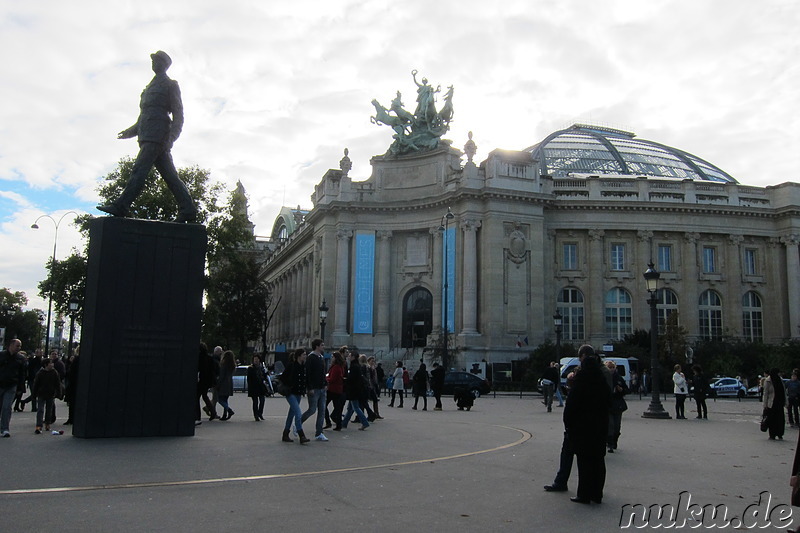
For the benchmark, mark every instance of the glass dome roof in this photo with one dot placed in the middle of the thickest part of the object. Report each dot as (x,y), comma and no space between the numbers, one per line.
(582,149)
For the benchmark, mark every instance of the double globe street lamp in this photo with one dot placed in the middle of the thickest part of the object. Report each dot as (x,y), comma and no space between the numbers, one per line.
(35,225)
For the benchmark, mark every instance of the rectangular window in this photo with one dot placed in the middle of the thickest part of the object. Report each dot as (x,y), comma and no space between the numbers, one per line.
(569,260)
(709,259)
(664,258)
(750,262)
(617,257)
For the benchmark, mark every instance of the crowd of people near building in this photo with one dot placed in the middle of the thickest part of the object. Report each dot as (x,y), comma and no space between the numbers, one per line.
(346,390)
(43,378)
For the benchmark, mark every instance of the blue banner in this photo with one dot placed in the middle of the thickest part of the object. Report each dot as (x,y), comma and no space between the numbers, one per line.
(449,275)
(364,282)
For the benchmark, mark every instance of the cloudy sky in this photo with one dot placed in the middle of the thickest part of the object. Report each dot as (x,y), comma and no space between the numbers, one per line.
(274,91)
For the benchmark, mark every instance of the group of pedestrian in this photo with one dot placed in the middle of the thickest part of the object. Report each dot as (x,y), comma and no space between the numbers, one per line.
(47,379)
(215,375)
(351,379)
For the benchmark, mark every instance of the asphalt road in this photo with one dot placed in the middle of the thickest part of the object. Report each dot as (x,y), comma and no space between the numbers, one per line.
(445,471)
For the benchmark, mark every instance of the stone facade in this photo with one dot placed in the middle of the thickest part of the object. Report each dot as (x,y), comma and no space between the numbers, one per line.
(526,245)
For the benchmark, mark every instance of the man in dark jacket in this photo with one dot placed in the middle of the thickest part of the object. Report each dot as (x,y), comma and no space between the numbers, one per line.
(317,386)
(355,392)
(586,425)
(12,378)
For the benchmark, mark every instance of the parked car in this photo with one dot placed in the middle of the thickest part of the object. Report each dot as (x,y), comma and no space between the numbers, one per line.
(240,378)
(475,384)
(728,387)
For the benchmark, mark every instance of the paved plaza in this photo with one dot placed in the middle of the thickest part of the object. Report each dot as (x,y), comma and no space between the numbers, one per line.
(413,471)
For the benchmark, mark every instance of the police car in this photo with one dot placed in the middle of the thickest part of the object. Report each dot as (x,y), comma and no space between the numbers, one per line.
(728,387)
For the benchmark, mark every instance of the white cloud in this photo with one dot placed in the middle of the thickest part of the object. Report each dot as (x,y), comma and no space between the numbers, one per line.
(274,92)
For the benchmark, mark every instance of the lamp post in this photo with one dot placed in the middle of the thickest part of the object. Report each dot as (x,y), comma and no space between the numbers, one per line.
(443,226)
(35,225)
(557,323)
(655,409)
(323,315)
(74,304)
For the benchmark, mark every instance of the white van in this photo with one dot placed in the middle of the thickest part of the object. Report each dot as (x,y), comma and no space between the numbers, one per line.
(624,367)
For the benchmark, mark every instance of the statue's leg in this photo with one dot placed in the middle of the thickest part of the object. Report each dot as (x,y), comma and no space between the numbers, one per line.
(186,208)
(148,152)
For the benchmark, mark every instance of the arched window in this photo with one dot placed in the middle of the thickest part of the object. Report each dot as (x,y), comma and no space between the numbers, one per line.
(667,304)
(710,315)
(570,305)
(752,322)
(619,313)
(417,317)
(283,233)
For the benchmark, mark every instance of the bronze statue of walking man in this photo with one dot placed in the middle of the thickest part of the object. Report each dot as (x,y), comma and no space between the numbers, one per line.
(156,133)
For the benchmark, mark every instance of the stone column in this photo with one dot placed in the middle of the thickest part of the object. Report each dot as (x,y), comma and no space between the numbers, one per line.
(644,255)
(596,327)
(303,330)
(384,282)
(342,281)
(733,287)
(690,296)
(437,264)
(791,243)
(469,287)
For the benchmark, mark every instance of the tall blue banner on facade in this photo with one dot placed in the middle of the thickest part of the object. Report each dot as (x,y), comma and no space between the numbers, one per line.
(449,274)
(364,282)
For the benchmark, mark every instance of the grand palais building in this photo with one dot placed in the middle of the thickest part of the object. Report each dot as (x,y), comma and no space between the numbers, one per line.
(493,249)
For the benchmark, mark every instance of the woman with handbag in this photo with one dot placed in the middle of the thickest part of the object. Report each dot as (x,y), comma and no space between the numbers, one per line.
(681,389)
(774,404)
(618,406)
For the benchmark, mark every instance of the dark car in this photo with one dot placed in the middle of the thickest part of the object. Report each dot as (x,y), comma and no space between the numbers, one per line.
(475,384)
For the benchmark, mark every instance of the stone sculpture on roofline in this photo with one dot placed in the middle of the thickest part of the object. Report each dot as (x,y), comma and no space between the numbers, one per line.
(419,131)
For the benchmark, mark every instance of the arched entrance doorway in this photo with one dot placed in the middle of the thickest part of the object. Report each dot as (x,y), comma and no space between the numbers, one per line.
(417,317)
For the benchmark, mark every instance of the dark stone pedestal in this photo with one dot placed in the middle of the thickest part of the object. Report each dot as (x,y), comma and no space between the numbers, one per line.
(141,329)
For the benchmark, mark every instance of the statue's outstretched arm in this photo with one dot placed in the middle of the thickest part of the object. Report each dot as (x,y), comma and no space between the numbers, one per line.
(414,75)
(133,131)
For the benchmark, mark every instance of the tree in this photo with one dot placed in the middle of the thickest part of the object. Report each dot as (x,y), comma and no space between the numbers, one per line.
(67,278)
(238,305)
(156,202)
(23,325)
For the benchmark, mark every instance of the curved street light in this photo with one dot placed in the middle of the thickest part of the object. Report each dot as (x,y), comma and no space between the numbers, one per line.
(655,409)
(35,225)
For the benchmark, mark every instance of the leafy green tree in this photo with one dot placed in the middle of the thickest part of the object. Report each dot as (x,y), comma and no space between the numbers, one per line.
(156,201)
(23,325)
(238,301)
(67,278)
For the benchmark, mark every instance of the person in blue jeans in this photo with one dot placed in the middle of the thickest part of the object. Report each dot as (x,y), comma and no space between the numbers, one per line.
(356,392)
(295,377)
(317,387)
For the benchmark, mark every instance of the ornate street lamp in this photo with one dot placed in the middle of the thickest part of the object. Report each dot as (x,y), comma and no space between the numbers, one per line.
(35,225)
(443,226)
(655,409)
(323,316)
(557,323)
(74,304)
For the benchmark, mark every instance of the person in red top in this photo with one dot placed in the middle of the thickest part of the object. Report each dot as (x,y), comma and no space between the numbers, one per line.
(336,386)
